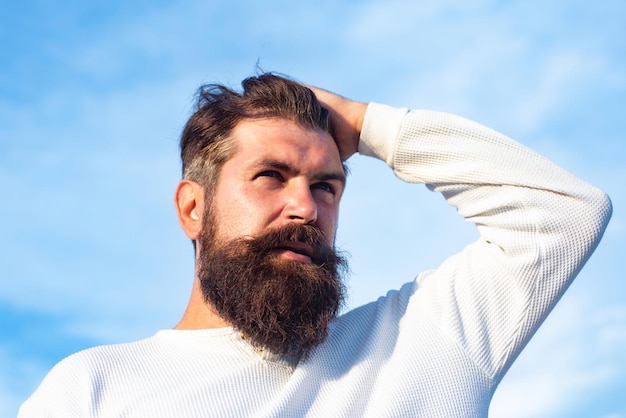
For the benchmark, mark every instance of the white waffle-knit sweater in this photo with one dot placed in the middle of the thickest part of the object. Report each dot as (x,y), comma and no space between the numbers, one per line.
(437,347)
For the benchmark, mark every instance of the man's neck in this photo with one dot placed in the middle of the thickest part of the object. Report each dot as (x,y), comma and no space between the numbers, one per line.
(199,315)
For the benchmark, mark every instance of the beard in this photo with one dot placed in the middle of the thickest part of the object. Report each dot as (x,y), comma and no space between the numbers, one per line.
(281,305)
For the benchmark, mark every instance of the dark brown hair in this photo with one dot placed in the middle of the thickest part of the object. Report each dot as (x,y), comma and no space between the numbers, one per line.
(205,144)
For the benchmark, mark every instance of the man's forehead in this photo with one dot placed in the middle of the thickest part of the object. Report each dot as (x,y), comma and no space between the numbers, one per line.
(264,123)
(283,140)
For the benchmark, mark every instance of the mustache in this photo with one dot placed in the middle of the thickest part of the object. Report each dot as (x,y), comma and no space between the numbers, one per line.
(306,234)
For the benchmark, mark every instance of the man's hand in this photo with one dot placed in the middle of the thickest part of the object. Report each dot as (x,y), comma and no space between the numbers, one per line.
(346,117)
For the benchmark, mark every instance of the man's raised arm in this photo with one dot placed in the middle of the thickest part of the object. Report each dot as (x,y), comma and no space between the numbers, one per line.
(538,223)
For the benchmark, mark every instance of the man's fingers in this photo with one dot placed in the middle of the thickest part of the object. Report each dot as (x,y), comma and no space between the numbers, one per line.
(346,116)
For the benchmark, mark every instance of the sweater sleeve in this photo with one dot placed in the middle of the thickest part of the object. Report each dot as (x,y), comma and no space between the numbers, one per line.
(538,225)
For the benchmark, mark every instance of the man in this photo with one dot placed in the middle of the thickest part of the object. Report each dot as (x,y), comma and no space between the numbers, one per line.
(262,181)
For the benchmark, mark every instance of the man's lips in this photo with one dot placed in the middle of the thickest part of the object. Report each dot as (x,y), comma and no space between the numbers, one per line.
(298,251)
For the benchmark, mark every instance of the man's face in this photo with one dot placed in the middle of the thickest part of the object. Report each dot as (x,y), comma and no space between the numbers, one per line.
(281,173)
(267,263)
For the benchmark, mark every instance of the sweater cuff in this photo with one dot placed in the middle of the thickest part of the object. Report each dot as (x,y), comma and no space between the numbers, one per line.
(381,127)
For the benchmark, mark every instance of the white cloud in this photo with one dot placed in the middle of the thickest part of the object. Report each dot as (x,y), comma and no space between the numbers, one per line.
(562,75)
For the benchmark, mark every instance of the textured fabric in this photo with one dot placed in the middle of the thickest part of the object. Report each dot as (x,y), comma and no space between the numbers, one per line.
(437,347)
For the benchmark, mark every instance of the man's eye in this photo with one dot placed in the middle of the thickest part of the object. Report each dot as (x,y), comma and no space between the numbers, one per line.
(270,173)
(327,187)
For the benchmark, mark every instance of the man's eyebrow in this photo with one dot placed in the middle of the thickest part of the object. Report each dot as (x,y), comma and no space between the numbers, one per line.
(283,166)
(272,163)
(341,177)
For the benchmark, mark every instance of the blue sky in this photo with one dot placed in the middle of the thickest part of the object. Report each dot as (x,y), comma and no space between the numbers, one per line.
(93,96)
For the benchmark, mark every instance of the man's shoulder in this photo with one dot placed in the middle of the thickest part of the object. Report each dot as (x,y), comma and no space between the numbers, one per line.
(367,320)
(99,359)
(77,377)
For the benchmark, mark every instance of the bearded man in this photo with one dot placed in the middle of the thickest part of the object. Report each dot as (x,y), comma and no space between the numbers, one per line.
(263,176)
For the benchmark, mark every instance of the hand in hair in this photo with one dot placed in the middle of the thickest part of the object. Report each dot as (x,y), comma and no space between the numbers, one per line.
(346,117)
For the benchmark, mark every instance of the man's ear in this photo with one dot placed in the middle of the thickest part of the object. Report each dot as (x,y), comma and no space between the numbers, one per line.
(189,201)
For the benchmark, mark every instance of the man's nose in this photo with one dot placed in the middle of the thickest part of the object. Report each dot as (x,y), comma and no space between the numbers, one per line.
(300,205)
